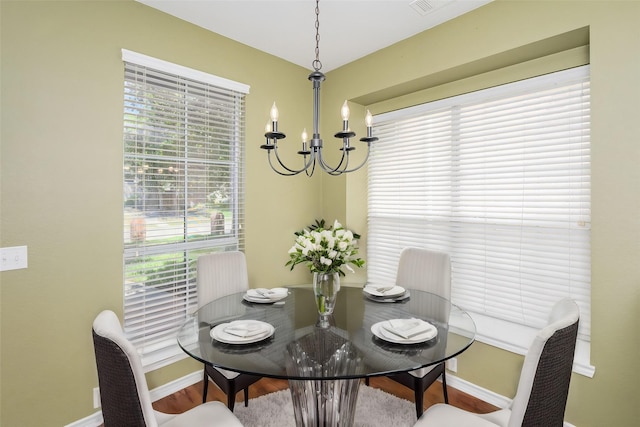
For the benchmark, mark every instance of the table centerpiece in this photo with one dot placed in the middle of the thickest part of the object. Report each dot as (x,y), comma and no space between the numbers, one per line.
(326,251)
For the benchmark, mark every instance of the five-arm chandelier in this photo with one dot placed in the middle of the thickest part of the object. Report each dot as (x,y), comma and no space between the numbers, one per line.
(312,150)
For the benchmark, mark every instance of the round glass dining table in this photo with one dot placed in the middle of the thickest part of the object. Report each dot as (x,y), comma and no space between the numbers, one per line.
(324,362)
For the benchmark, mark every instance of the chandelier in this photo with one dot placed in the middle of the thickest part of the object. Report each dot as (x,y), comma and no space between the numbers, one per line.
(312,150)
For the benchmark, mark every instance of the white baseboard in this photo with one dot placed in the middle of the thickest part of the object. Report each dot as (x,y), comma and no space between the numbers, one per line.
(482,393)
(157,393)
(478,392)
(175,385)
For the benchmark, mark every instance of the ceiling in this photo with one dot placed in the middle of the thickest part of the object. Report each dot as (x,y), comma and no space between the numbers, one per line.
(349,29)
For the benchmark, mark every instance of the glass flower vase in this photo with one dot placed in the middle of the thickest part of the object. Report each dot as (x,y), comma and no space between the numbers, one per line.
(325,289)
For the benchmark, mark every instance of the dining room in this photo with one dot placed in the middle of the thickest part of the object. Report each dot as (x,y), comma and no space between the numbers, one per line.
(63,176)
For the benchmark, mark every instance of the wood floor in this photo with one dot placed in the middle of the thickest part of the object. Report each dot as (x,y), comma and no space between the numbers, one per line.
(191,396)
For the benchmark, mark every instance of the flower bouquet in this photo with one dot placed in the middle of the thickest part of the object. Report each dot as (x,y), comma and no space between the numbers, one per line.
(325,251)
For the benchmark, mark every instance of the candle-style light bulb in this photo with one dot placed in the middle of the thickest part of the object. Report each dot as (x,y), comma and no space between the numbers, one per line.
(267,127)
(304,135)
(274,113)
(368,119)
(344,111)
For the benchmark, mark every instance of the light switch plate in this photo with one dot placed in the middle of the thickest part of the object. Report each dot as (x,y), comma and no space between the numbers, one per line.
(13,258)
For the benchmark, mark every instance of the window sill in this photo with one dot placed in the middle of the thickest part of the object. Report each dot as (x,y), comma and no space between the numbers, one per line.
(517,339)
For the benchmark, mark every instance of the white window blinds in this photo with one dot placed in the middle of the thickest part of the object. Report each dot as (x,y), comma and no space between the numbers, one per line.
(183,192)
(500,179)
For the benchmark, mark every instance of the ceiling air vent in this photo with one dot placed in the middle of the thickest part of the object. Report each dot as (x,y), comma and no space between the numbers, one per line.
(422,6)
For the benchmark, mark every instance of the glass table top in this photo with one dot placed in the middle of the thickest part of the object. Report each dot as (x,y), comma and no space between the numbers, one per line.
(301,349)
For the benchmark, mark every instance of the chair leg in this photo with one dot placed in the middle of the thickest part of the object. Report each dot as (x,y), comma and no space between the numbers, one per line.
(366,381)
(419,398)
(444,387)
(205,389)
(246,396)
(231,396)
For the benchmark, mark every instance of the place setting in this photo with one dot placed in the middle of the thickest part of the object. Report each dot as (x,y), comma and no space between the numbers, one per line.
(404,331)
(246,331)
(389,293)
(266,296)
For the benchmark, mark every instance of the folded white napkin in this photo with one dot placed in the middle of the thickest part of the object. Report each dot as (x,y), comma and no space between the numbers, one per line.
(407,328)
(246,329)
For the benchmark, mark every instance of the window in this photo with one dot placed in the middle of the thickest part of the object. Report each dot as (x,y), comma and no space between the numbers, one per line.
(499,179)
(183,192)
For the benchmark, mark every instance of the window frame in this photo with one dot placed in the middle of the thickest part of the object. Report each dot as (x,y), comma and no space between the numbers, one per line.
(501,333)
(203,148)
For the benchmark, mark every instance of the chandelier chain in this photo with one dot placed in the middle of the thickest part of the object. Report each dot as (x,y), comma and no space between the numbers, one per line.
(317,65)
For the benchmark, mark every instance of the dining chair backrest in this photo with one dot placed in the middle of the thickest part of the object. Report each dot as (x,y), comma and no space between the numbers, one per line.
(543,388)
(425,270)
(221,274)
(124,394)
(428,271)
(218,275)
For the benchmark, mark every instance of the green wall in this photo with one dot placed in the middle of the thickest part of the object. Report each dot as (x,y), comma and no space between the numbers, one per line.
(61,177)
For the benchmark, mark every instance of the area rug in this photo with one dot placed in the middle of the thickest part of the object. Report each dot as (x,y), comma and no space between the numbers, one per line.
(374,408)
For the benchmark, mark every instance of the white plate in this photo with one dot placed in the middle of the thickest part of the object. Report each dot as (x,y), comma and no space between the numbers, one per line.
(218,333)
(400,298)
(395,291)
(378,330)
(269,295)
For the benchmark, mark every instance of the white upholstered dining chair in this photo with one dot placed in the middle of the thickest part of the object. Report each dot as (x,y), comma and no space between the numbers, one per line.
(218,275)
(428,271)
(543,387)
(124,395)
